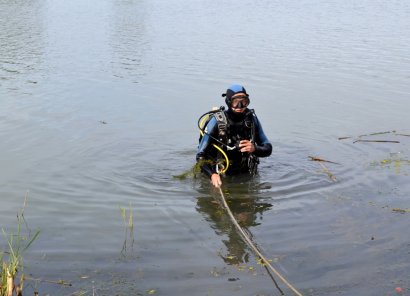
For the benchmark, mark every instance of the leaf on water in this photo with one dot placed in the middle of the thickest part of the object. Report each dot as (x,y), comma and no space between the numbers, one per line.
(152,292)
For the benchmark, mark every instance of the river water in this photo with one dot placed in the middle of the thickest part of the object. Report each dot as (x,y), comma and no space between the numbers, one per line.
(99,103)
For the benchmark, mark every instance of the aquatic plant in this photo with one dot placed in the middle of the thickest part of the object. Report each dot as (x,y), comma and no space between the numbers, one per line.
(12,259)
(129,228)
(194,170)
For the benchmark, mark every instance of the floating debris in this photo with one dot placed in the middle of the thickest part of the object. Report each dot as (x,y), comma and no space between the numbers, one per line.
(324,168)
(360,137)
(313,158)
(398,290)
(57,282)
(398,210)
(376,141)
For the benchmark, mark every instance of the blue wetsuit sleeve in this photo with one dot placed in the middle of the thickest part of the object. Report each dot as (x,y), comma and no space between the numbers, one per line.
(263,147)
(204,154)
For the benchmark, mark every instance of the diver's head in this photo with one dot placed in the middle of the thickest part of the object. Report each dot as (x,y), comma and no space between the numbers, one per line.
(236,98)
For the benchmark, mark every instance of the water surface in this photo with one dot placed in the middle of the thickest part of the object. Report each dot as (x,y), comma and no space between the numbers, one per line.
(99,103)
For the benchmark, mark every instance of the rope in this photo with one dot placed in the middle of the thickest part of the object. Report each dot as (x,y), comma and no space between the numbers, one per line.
(253,247)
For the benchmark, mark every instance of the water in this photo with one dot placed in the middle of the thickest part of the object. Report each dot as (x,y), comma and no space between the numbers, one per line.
(99,102)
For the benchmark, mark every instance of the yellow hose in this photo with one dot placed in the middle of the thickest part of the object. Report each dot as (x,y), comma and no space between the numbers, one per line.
(226,158)
(217,147)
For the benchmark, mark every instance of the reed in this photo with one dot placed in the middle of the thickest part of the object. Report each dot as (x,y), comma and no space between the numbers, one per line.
(129,228)
(11,258)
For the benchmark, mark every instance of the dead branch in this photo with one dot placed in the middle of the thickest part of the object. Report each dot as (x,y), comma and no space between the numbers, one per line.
(376,141)
(313,158)
(331,176)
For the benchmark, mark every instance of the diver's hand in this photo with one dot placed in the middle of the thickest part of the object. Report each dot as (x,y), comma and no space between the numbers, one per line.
(246,146)
(216,180)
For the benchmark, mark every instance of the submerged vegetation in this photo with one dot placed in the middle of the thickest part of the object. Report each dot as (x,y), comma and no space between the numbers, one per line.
(11,258)
(193,171)
(129,229)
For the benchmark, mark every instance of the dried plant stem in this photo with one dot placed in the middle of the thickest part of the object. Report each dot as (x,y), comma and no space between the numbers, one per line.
(378,133)
(331,176)
(313,158)
(320,160)
(19,290)
(10,283)
(376,141)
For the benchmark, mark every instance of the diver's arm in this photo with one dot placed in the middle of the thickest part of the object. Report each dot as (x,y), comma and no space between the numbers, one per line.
(203,156)
(263,147)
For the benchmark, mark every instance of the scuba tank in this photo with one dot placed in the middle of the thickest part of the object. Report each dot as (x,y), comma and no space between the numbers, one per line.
(219,114)
(220,117)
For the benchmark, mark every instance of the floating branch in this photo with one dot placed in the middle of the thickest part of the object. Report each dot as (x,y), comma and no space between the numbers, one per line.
(331,176)
(398,210)
(313,158)
(320,160)
(368,135)
(376,141)
(378,133)
(358,139)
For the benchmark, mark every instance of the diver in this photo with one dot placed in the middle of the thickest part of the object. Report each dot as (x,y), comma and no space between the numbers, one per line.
(232,140)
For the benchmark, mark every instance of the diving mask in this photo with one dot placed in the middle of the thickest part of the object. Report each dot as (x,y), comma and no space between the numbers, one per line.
(240,102)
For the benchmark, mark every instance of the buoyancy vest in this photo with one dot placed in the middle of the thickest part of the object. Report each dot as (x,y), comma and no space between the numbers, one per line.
(231,130)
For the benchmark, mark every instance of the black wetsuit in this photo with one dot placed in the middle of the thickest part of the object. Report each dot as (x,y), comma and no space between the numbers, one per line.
(240,126)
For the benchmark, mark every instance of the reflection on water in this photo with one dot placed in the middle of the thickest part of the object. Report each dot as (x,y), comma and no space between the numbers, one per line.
(129,41)
(22,43)
(247,209)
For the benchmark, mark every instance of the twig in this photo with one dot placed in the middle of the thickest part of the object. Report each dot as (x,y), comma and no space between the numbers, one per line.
(331,176)
(320,160)
(22,213)
(367,135)
(313,158)
(376,141)
(404,135)
(401,210)
(377,133)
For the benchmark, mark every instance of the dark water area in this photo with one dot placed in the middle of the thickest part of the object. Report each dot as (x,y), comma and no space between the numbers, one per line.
(99,104)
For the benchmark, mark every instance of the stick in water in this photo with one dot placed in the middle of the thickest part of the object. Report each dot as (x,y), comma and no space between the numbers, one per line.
(376,141)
